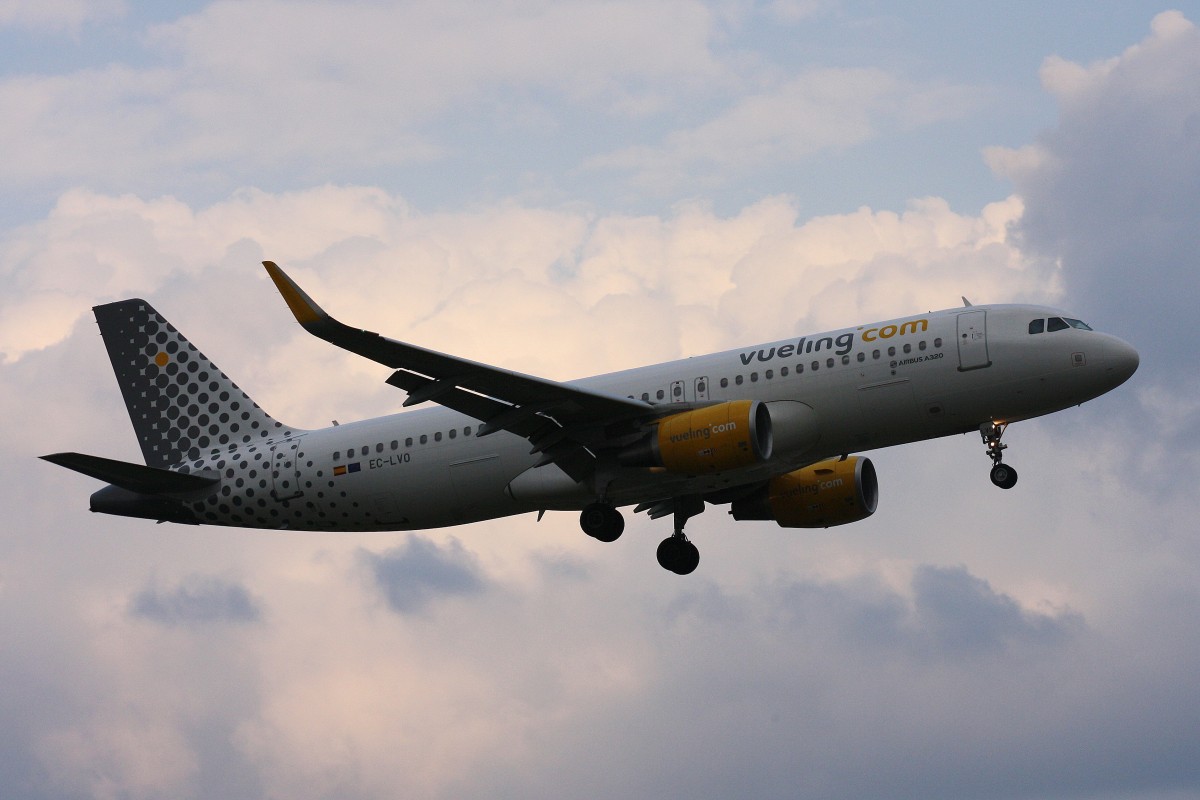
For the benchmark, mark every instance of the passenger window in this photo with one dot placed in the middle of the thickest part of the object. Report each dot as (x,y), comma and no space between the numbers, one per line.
(737,379)
(754,377)
(437,437)
(799,369)
(891,351)
(379,447)
(783,372)
(395,444)
(1037,326)
(1056,324)
(724,383)
(845,360)
(829,363)
(907,348)
(862,357)
(875,354)
(816,365)
(424,438)
(366,450)
(770,374)
(660,394)
(467,431)
(408,442)
(337,455)
(921,345)
(646,397)
(453,433)
(937,342)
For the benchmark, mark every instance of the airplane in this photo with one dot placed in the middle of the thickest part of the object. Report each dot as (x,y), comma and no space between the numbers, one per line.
(771,430)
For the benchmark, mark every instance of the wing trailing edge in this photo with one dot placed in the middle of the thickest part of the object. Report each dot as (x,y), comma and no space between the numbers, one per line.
(534,408)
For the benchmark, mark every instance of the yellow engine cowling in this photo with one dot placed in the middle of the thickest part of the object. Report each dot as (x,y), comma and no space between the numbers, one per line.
(821,495)
(713,439)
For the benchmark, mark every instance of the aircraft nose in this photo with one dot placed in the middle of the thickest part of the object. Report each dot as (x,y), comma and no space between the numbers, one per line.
(1121,361)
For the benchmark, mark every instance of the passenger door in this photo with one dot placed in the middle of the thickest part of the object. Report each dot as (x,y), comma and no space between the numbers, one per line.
(972,341)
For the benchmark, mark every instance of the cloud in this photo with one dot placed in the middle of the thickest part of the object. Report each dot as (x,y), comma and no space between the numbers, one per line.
(1111,189)
(419,572)
(58,15)
(704,281)
(316,90)
(961,614)
(197,600)
(792,120)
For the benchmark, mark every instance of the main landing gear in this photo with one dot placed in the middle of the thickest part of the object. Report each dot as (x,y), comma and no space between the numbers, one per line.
(602,521)
(1002,474)
(676,553)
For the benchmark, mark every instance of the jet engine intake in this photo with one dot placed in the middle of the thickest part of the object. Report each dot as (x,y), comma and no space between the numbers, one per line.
(821,495)
(712,439)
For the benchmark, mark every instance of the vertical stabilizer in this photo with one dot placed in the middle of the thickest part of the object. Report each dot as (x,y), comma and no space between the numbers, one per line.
(182,407)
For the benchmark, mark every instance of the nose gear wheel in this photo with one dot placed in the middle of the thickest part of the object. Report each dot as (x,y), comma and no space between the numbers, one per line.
(1002,474)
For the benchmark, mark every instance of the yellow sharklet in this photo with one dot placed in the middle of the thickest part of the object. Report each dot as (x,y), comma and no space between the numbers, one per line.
(302,306)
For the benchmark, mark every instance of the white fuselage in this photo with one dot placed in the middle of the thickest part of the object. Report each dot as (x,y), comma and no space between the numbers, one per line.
(870,386)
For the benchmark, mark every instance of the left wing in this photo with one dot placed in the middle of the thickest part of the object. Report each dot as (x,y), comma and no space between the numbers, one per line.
(559,420)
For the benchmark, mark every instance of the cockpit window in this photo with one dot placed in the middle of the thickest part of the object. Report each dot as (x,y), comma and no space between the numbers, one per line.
(1037,326)
(1057,324)
(1075,323)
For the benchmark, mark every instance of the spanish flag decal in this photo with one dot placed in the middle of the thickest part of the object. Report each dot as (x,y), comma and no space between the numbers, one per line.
(342,470)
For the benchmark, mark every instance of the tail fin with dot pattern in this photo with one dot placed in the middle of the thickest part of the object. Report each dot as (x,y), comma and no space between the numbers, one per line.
(183,408)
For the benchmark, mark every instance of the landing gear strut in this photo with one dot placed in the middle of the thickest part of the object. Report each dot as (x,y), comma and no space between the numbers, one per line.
(676,553)
(601,521)
(1002,475)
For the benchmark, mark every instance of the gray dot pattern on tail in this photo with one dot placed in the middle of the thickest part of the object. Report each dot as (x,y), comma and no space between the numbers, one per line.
(182,406)
(189,416)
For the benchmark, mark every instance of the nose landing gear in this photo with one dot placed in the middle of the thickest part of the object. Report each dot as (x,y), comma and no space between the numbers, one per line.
(1002,474)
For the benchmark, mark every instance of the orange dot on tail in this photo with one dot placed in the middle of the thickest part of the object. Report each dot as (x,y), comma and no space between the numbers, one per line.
(161,359)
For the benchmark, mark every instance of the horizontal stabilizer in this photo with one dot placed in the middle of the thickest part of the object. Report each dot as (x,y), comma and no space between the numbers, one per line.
(134,477)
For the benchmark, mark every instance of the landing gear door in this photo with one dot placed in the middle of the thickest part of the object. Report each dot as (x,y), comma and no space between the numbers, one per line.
(285,470)
(972,341)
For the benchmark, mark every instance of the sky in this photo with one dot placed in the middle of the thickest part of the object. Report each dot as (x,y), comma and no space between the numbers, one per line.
(570,188)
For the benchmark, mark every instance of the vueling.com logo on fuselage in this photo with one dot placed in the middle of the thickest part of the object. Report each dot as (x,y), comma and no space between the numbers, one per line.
(702,433)
(839,345)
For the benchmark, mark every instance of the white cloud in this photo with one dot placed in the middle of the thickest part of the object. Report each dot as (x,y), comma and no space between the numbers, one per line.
(815,111)
(551,269)
(304,88)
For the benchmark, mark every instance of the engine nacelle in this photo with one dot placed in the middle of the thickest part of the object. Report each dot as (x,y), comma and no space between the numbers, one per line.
(712,439)
(821,495)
